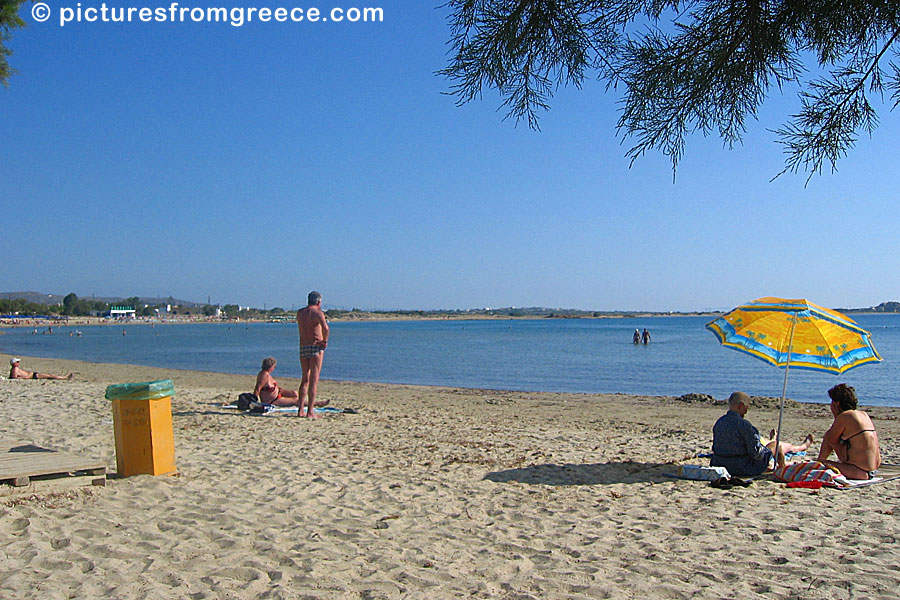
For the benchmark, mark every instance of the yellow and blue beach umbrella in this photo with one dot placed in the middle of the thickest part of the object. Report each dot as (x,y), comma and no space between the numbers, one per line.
(795,334)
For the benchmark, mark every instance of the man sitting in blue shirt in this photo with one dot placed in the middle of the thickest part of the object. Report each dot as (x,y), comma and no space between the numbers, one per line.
(737,445)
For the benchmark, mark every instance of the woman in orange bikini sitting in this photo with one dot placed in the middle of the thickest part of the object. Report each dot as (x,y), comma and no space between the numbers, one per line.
(852,437)
(267,389)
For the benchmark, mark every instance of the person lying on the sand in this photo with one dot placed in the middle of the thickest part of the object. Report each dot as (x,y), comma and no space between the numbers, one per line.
(267,389)
(852,437)
(737,445)
(15,372)
(787,446)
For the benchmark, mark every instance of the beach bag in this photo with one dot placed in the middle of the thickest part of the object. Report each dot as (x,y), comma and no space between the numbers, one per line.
(246,401)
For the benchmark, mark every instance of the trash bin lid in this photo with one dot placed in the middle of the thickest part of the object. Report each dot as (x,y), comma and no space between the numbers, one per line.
(151,390)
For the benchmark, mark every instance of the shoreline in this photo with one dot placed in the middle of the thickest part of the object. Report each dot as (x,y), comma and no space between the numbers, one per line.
(429,492)
(345,317)
(364,316)
(100,371)
(57,365)
(111,373)
(377,316)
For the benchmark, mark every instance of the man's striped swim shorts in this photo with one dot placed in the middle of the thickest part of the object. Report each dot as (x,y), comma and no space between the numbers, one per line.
(310,351)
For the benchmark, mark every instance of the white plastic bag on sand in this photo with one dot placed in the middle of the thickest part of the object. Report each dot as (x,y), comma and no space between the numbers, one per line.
(703,473)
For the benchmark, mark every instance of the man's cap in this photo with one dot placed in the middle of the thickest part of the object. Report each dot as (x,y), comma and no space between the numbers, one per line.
(13,361)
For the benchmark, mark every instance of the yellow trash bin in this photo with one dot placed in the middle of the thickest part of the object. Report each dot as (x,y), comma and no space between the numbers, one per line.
(142,419)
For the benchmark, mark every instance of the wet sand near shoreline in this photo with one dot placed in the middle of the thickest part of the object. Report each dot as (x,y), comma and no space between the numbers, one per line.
(429,492)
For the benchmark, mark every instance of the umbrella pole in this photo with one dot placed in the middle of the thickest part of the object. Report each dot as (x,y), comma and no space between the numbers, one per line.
(787,367)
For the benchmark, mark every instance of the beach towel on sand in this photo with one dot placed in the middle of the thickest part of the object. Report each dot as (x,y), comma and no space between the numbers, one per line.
(815,474)
(268,409)
(788,455)
(292,410)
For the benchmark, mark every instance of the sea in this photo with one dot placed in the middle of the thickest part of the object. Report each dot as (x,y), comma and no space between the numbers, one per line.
(537,355)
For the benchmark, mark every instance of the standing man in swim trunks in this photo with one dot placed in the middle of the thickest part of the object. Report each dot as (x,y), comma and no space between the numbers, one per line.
(313,331)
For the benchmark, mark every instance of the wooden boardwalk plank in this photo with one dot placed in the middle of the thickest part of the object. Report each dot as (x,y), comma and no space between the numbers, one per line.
(19,461)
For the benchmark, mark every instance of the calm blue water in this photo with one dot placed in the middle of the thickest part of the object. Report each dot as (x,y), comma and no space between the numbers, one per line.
(578,355)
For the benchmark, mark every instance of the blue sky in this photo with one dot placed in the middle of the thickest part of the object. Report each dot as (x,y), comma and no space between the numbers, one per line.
(251,165)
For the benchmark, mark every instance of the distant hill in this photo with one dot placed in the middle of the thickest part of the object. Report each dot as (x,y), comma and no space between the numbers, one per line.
(514,311)
(54,299)
(889,307)
(509,311)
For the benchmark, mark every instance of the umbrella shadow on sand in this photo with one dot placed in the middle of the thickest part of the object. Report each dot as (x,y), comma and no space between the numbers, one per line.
(584,474)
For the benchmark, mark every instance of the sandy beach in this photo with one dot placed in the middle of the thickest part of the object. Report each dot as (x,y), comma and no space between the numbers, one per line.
(429,493)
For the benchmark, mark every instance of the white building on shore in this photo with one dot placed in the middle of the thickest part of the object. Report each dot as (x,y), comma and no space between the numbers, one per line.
(121,312)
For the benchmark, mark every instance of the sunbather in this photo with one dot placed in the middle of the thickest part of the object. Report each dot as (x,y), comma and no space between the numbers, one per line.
(856,459)
(788,447)
(16,372)
(267,389)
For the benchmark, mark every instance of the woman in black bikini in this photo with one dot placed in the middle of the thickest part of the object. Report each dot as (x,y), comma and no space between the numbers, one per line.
(852,437)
